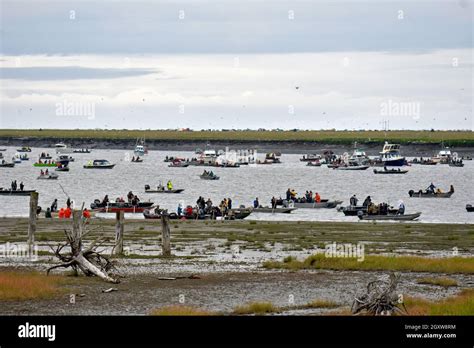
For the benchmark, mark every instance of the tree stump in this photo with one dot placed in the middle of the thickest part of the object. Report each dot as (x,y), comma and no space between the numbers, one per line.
(165,234)
(32,219)
(119,227)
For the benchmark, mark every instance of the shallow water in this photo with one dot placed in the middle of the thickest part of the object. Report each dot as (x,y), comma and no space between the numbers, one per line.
(241,184)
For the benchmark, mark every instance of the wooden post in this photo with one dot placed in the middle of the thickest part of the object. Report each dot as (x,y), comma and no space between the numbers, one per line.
(32,220)
(165,234)
(77,229)
(118,248)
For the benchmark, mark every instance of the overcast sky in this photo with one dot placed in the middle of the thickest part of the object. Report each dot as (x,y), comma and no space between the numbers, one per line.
(237,64)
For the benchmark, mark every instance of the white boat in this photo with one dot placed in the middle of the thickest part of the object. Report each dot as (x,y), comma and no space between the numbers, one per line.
(62,148)
(444,156)
(140,148)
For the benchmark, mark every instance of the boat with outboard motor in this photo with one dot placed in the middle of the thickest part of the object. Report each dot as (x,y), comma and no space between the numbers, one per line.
(48,176)
(24,149)
(395,217)
(161,189)
(208,176)
(324,203)
(469,208)
(11,192)
(126,207)
(273,210)
(431,194)
(99,164)
(390,171)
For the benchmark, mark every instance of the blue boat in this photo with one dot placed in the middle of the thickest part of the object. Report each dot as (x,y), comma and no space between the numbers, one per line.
(390,156)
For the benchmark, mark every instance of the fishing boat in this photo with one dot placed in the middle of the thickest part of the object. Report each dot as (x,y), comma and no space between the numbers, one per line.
(310,158)
(64,159)
(1,150)
(22,157)
(172,159)
(62,148)
(428,162)
(137,160)
(272,157)
(390,156)
(24,149)
(63,168)
(11,192)
(140,148)
(161,189)
(315,163)
(352,210)
(324,203)
(208,176)
(120,206)
(351,167)
(5,164)
(49,176)
(469,208)
(428,194)
(273,210)
(390,171)
(178,164)
(443,156)
(395,217)
(82,151)
(45,164)
(99,164)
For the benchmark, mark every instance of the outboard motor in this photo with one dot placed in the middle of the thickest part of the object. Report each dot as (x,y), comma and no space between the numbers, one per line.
(147,187)
(360,213)
(411,192)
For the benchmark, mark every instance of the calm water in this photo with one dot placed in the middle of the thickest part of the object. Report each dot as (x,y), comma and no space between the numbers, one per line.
(241,184)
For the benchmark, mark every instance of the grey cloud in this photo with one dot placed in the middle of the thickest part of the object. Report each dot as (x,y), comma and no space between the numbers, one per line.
(70,73)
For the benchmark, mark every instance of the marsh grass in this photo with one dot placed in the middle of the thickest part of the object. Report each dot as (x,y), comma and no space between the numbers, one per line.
(180,310)
(28,285)
(461,304)
(441,281)
(376,262)
(259,308)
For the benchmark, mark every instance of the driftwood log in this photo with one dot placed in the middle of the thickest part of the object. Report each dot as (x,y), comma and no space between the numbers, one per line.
(381,298)
(89,260)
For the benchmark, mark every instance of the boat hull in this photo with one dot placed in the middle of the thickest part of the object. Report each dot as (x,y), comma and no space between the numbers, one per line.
(164,191)
(413,194)
(16,193)
(394,162)
(273,210)
(390,171)
(109,166)
(314,205)
(404,217)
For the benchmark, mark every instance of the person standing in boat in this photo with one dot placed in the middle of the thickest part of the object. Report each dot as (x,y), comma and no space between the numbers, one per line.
(54,205)
(256,204)
(169,184)
(353,200)
(401,208)
(179,211)
(22,186)
(367,201)
(288,195)
(68,203)
(274,202)
(229,203)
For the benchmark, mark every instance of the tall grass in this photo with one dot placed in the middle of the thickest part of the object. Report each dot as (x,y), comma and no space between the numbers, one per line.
(180,310)
(327,136)
(377,262)
(461,304)
(256,308)
(27,286)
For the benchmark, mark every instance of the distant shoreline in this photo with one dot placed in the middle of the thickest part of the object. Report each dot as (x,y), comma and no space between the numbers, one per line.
(414,143)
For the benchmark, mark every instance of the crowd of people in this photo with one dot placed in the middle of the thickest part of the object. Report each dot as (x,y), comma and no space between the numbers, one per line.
(205,208)
(308,197)
(377,209)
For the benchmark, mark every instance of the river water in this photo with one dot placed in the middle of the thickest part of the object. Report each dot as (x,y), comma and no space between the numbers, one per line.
(241,184)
